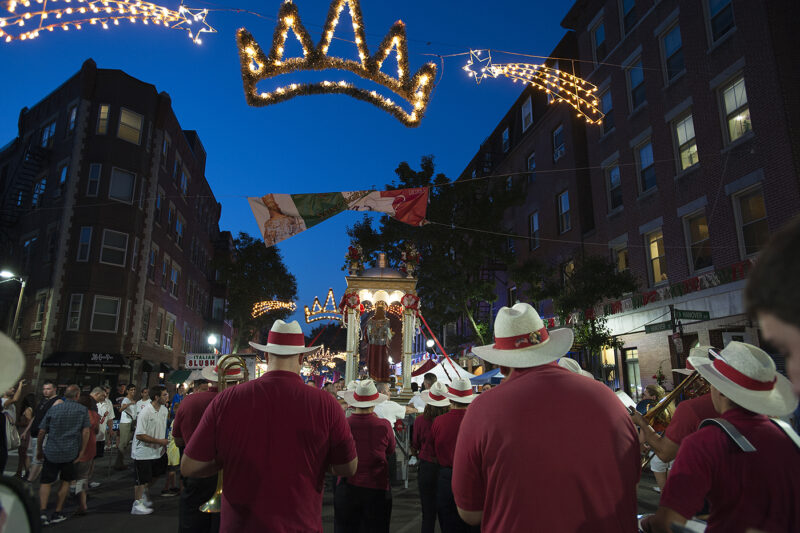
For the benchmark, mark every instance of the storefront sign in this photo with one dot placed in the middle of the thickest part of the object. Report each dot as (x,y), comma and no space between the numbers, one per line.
(685,314)
(199,361)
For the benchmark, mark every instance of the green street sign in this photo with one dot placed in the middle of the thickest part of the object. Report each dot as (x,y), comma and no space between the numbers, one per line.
(685,314)
(658,326)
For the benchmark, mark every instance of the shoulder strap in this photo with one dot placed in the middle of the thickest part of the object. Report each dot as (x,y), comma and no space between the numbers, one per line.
(786,428)
(735,435)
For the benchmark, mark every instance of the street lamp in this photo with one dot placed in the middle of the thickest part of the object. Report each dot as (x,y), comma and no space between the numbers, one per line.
(212,341)
(10,276)
(430,343)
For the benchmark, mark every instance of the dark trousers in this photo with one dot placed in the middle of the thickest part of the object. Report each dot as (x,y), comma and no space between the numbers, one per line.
(446,509)
(427,478)
(3,445)
(361,510)
(195,493)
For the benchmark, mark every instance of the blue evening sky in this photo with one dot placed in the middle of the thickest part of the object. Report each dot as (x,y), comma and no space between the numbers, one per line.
(312,143)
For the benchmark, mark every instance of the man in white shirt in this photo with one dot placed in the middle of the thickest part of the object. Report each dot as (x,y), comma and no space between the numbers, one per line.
(149,448)
(106,411)
(127,416)
(141,403)
(389,410)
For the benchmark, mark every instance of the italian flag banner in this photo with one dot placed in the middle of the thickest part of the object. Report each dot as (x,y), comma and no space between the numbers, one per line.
(281,216)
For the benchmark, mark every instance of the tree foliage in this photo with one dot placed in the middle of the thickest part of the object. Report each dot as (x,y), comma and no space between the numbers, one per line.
(254,273)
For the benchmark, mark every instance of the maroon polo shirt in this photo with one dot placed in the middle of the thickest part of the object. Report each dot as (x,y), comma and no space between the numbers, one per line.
(444,433)
(274,437)
(688,416)
(551,450)
(422,439)
(190,413)
(758,490)
(374,441)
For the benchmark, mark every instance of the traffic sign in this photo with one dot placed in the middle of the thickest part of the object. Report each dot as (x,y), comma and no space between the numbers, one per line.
(658,326)
(686,314)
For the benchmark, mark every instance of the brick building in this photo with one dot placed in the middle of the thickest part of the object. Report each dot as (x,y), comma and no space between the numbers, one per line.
(109,217)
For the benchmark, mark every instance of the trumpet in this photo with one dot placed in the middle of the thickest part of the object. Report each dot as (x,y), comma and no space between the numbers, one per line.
(227,363)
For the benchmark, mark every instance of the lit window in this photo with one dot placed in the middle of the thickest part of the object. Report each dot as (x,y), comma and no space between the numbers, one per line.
(673,53)
(753,216)
(720,13)
(93,185)
(559,149)
(620,258)
(84,243)
(173,280)
(647,167)
(607,107)
(102,119)
(737,112)
(114,249)
(72,116)
(105,314)
(527,114)
(699,243)
(655,252)
(169,333)
(48,134)
(180,224)
(563,212)
(38,193)
(614,187)
(599,41)
(74,318)
(122,185)
(629,16)
(636,85)
(533,231)
(130,126)
(687,146)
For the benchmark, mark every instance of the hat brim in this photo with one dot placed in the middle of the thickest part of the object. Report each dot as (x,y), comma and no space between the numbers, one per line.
(12,361)
(211,375)
(461,399)
(426,397)
(279,349)
(683,371)
(779,401)
(557,345)
(349,397)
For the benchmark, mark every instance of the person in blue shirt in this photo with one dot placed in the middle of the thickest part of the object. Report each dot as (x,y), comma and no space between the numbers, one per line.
(176,399)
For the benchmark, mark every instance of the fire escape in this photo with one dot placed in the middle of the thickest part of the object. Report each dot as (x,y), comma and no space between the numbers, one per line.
(18,191)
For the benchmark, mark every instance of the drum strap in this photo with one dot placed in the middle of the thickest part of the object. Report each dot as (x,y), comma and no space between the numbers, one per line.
(735,435)
(786,428)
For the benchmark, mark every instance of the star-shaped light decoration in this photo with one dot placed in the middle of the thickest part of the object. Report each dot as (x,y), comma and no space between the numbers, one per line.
(188,16)
(478,67)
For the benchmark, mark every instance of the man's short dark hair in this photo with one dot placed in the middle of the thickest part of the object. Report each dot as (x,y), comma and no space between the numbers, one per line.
(773,284)
(414,387)
(199,382)
(72,392)
(430,377)
(155,391)
(49,382)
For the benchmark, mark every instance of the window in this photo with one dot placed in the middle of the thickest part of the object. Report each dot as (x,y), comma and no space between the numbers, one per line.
(699,243)
(41,303)
(687,146)
(114,248)
(28,248)
(159,201)
(655,253)
(135,254)
(629,17)
(510,246)
(122,185)
(74,318)
(180,226)
(620,258)
(84,243)
(165,149)
(558,143)
(164,271)
(720,18)
(103,113)
(599,42)
(145,322)
(151,263)
(176,168)
(48,134)
(647,167)
(737,112)
(527,114)
(531,167)
(159,326)
(52,243)
(184,183)
(753,218)
(93,185)
(533,230)
(218,309)
(171,216)
(38,193)
(173,280)
(63,173)
(673,53)
(636,85)
(506,141)
(607,107)
(72,117)
(614,187)
(105,314)
(563,212)
(169,331)
(130,126)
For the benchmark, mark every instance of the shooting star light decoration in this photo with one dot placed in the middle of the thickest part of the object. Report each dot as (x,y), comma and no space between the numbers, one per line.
(97,12)
(559,85)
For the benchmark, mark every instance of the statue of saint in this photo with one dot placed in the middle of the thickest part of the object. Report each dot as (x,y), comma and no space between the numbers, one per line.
(379,335)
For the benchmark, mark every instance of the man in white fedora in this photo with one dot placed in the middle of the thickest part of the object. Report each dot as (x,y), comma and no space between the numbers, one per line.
(573,366)
(363,502)
(742,462)
(275,438)
(436,404)
(547,450)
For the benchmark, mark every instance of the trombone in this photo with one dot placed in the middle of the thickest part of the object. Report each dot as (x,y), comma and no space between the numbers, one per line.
(227,363)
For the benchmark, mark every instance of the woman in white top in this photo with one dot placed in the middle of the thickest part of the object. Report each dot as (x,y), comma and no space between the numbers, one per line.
(128,408)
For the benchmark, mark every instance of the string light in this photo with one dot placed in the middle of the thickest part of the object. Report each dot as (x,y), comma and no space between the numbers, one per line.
(271,305)
(320,312)
(257,66)
(193,21)
(559,85)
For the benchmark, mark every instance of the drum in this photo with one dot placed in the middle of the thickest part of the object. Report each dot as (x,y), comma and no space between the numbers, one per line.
(692,526)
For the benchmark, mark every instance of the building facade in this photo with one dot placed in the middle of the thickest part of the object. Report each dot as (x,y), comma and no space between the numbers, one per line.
(109,218)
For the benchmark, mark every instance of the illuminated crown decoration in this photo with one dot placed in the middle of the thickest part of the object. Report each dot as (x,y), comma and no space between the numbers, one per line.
(99,13)
(257,66)
(259,308)
(318,312)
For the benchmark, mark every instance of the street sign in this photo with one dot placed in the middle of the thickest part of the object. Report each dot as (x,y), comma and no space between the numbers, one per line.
(658,326)
(686,314)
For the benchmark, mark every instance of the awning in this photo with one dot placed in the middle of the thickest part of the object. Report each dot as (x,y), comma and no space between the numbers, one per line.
(86,359)
(487,377)
(427,366)
(148,366)
(179,376)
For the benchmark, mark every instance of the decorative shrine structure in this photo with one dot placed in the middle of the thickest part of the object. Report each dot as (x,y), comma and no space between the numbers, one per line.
(364,290)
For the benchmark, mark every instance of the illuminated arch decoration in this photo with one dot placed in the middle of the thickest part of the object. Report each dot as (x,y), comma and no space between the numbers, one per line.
(103,13)
(327,312)
(559,85)
(271,305)
(258,66)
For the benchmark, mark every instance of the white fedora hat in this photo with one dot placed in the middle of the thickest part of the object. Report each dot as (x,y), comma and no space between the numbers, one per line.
(364,395)
(285,339)
(460,391)
(350,386)
(436,395)
(746,374)
(697,351)
(573,366)
(12,361)
(521,340)
(232,374)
